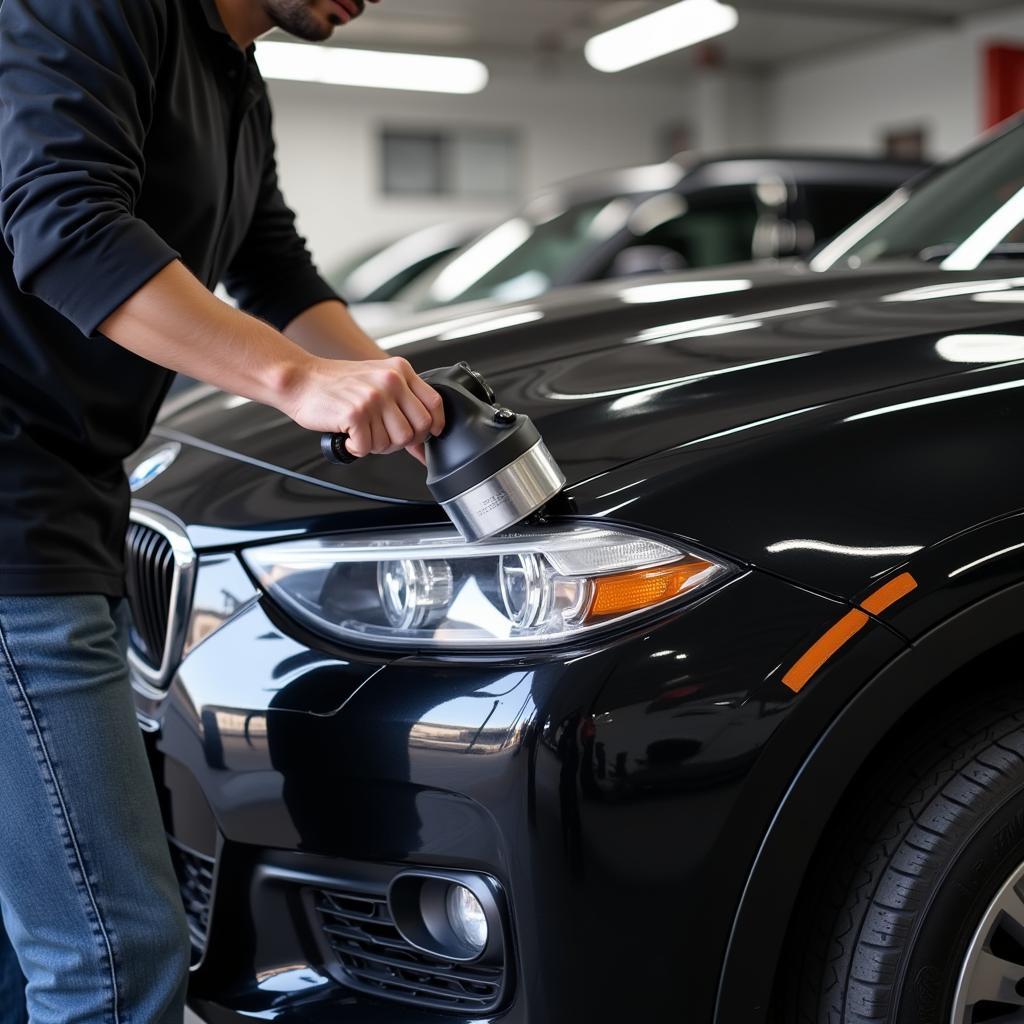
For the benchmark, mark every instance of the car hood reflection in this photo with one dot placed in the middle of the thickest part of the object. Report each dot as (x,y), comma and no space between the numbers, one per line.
(609,380)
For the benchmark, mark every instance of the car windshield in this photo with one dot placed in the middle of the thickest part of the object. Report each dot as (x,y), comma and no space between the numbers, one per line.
(969,212)
(521,258)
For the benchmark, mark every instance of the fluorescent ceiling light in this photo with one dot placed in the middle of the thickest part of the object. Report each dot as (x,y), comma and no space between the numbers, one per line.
(672,28)
(373,69)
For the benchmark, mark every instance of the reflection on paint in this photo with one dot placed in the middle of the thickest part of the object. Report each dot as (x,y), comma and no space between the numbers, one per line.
(717,324)
(500,323)
(433,329)
(930,292)
(475,725)
(290,978)
(935,400)
(671,291)
(986,558)
(842,549)
(675,382)
(981,348)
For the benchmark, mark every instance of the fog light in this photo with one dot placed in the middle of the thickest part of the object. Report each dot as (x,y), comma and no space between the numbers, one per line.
(467,918)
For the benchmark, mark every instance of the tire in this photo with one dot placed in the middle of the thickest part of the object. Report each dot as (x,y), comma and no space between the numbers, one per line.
(914,859)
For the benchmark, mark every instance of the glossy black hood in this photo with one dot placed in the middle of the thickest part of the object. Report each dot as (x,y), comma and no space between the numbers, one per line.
(613,373)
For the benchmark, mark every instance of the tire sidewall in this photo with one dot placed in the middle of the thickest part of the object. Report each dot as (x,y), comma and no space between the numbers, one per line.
(982,862)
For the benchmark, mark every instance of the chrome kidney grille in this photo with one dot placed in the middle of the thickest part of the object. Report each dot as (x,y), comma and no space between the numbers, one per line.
(150,580)
(160,570)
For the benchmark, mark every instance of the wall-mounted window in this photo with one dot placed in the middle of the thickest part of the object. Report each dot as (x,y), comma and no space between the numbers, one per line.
(906,143)
(463,162)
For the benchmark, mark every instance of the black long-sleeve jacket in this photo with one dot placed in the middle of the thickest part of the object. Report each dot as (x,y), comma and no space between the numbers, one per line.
(132,133)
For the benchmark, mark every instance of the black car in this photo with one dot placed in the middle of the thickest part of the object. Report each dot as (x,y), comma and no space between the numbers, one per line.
(735,735)
(372,280)
(687,213)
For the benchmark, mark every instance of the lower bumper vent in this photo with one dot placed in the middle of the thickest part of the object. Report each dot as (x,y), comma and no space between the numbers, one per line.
(195,880)
(377,960)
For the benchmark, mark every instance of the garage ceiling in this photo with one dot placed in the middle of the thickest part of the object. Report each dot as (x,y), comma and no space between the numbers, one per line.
(771,32)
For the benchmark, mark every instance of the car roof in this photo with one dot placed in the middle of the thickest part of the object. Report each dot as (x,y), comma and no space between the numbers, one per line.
(687,171)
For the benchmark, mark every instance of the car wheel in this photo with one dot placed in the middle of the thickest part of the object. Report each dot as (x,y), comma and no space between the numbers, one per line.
(914,909)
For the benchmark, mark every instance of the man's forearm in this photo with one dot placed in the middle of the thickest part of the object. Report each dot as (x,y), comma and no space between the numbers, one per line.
(328,329)
(176,322)
(379,401)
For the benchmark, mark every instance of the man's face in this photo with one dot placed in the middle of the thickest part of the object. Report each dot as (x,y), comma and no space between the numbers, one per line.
(313,20)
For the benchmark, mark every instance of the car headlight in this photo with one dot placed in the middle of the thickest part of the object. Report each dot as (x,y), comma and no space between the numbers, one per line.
(430,588)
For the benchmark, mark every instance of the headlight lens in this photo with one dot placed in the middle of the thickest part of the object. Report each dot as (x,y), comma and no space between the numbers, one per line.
(429,588)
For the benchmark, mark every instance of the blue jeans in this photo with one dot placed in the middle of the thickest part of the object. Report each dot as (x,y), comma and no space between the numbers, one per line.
(91,908)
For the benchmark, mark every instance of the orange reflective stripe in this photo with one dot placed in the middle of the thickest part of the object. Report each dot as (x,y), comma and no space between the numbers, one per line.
(848,626)
(889,594)
(823,648)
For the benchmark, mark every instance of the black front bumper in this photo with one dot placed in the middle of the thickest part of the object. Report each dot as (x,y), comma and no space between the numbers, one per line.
(612,794)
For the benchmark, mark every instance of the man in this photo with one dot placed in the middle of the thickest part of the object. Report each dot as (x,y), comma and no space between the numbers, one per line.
(137,171)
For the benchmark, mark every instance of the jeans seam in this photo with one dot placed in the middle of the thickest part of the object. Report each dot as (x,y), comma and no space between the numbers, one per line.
(27,706)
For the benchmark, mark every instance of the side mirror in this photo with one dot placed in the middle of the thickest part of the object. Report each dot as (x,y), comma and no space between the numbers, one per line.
(646,259)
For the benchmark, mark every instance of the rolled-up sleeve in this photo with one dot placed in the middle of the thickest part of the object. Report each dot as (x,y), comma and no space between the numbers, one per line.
(77,84)
(272,274)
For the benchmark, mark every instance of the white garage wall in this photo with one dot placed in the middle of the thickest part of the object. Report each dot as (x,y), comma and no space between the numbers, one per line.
(933,79)
(574,120)
(568,123)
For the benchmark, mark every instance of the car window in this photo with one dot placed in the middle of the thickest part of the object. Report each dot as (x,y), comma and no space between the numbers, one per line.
(831,208)
(337,277)
(524,256)
(969,211)
(394,286)
(716,227)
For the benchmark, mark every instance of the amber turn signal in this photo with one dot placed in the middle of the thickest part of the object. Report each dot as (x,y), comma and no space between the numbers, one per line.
(642,588)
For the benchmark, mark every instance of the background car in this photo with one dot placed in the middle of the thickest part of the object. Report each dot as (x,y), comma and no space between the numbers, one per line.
(759,755)
(372,279)
(687,213)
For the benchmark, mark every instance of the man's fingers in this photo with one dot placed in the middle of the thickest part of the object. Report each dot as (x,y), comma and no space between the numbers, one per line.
(413,397)
(360,440)
(384,406)
(417,414)
(431,401)
(381,429)
(417,452)
(401,432)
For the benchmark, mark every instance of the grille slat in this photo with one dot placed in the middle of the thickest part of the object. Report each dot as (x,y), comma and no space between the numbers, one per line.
(167,573)
(395,980)
(149,542)
(451,974)
(376,908)
(150,570)
(376,959)
(360,935)
(195,881)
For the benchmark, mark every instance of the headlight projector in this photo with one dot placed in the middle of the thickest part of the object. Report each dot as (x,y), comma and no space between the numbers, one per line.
(489,469)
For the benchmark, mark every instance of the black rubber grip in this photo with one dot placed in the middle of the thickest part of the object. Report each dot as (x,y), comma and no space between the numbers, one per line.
(332,447)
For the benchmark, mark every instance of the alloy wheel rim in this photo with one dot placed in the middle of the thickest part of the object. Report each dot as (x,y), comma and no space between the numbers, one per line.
(991,982)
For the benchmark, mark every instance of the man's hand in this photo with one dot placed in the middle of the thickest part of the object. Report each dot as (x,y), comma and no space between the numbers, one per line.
(327,329)
(381,404)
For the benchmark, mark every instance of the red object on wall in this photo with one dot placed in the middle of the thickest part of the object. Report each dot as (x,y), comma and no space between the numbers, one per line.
(1004,83)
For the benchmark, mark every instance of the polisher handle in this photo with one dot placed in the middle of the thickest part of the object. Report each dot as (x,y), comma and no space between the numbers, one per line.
(332,447)
(462,375)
